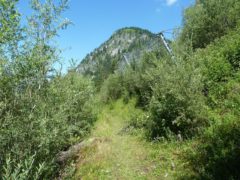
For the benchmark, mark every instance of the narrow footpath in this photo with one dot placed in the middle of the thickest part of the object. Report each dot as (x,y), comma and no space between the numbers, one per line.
(118,154)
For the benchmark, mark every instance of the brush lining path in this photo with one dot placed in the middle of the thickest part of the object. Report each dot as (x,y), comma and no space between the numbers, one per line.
(116,154)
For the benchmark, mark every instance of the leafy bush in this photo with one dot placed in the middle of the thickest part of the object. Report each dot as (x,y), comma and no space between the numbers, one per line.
(139,119)
(219,65)
(41,113)
(207,20)
(217,154)
(112,88)
(132,81)
(177,105)
(44,125)
(22,170)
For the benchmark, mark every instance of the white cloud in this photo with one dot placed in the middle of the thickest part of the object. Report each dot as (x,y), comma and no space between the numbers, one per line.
(171,2)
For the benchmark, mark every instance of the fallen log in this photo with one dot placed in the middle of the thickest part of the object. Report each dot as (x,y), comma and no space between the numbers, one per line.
(73,151)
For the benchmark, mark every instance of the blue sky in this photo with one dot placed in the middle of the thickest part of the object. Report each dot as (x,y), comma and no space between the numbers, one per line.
(96,20)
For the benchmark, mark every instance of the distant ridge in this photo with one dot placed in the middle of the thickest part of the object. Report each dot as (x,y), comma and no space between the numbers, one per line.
(126,45)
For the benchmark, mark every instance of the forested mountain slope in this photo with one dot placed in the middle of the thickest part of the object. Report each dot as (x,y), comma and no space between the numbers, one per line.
(125,47)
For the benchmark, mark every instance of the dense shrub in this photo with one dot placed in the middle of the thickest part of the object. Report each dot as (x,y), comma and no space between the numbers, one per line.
(139,119)
(219,65)
(42,125)
(126,84)
(217,156)
(112,88)
(41,112)
(207,20)
(133,81)
(177,105)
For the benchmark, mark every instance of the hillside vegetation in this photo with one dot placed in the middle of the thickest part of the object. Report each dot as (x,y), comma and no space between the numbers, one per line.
(121,152)
(41,111)
(147,115)
(124,48)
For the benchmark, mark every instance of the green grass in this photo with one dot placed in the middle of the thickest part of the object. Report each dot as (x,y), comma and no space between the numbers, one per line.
(120,155)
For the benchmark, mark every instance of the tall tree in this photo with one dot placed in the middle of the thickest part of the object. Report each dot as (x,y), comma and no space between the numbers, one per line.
(208,20)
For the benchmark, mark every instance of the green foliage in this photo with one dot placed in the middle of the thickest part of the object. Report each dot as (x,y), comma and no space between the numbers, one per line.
(220,68)
(9,21)
(209,19)
(132,81)
(22,170)
(139,120)
(71,97)
(177,105)
(217,154)
(41,113)
(112,88)
(44,124)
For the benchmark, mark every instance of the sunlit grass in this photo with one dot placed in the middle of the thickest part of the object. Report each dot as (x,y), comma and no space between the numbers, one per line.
(116,155)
